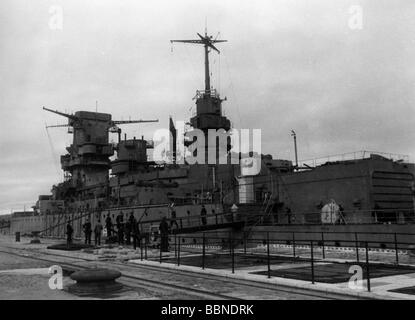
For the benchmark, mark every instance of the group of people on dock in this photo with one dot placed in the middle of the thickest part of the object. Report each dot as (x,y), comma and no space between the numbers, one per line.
(123,232)
(128,232)
(87,228)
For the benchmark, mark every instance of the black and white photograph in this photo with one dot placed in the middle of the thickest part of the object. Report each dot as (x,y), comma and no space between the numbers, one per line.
(200,153)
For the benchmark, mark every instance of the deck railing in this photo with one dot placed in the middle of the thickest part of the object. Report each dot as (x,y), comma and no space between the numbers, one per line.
(357,155)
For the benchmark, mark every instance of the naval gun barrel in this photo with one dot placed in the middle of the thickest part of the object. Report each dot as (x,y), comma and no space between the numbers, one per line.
(69,116)
(133,121)
(58,126)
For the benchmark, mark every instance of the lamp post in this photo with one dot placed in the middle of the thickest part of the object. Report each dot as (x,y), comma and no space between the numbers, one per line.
(293,134)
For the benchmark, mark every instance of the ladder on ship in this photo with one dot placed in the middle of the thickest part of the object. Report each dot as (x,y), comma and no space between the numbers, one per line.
(342,218)
(266,212)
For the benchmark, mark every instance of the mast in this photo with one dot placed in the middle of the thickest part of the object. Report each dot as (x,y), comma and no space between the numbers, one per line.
(207,42)
(207,74)
(208,107)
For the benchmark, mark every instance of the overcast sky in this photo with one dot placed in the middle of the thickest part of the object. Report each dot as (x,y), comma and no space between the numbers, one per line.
(288,65)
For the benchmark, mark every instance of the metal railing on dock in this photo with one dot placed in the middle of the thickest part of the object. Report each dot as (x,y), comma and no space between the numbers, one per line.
(232,251)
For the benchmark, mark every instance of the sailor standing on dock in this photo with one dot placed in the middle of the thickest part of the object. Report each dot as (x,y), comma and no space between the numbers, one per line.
(97,232)
(69,232)
(203,214)
(120,228)
(108,225)
(164,235)
(87,231)
(173,221)
(128,232)
(135,232)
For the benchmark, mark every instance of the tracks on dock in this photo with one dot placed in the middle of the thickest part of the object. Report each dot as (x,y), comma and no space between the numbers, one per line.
(178,281)
(126,279)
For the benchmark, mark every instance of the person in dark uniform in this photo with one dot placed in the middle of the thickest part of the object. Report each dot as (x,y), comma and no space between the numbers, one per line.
(188,218)
(164,235)
(135,231)
(87,231)
(121,233)
(132,220)
(119,219)
(108,225)
(203,214)
(69,232)
(130,226)
(289,215)
(97,233)
(120,228)
(127,228)
(173,220)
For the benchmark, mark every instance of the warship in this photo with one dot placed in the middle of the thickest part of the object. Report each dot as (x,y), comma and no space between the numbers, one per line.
(365,191)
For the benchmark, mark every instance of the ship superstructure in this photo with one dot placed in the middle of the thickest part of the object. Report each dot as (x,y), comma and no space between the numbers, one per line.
(368,190)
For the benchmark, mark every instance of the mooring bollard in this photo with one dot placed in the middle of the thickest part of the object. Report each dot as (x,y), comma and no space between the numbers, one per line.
(95,281)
